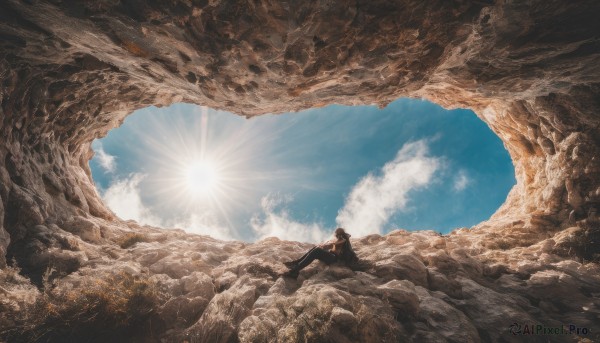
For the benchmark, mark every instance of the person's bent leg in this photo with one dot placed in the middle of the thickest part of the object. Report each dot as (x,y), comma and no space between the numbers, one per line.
(304,256)
(326,256)
(316,253)
(294,263)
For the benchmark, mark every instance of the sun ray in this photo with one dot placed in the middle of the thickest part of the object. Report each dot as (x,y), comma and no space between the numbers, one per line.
(199,169)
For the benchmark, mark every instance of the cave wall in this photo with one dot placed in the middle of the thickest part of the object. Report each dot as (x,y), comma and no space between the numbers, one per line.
(71,71)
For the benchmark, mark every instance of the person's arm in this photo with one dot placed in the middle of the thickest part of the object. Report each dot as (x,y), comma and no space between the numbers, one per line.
(339,242)
(326,245)
(332,244)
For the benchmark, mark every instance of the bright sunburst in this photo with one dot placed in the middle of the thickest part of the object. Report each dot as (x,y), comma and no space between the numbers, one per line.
(200,171)
(202,178)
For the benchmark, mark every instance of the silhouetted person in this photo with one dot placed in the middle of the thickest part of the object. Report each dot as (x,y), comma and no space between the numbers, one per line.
(338,249)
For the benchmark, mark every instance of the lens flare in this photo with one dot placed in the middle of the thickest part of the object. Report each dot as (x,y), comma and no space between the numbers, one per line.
(202,178)
(199,173)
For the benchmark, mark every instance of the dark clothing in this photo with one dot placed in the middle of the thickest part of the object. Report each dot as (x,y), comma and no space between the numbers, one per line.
(296,261)
(348,255)
(315,253)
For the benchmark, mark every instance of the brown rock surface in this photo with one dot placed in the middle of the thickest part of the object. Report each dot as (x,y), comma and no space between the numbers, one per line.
(71,71)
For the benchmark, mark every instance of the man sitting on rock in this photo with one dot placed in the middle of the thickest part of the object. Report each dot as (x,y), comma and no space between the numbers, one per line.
(329,252)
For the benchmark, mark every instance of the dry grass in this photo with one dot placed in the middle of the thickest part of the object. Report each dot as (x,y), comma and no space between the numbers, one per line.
(117,308)
(131,239)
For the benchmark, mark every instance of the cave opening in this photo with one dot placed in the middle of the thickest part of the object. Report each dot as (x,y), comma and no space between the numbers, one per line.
(411,165)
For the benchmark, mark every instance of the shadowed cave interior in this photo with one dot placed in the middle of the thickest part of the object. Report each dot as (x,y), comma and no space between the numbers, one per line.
(71,72)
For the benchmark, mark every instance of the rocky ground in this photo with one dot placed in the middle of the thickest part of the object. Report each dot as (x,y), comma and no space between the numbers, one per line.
(408,286)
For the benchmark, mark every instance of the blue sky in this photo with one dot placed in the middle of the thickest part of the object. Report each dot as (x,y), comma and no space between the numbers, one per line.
(412,165)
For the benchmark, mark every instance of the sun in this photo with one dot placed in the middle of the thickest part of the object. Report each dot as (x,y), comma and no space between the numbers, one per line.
(202,178)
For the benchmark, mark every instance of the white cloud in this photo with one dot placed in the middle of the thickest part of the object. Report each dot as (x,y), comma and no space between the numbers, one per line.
(461,181)
(123,198)
(203,224)
(375,198)
(106,161)
(276,222)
